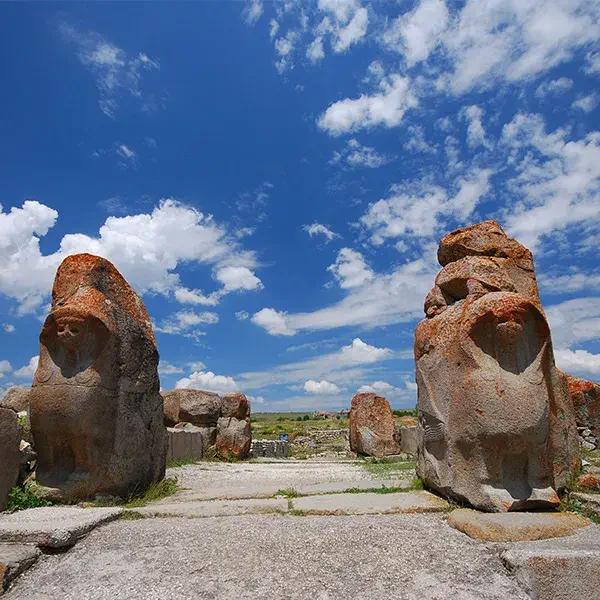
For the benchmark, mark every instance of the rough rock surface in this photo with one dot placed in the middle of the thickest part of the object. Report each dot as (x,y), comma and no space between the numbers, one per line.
(409,557)
(53,526)
(15,559)
(17,398)
(225,420)
(585,396)
(96,412)
(515,527)
(497,427)
(561,569)
(197,407)
(10,455)
(234,437)
(372,426)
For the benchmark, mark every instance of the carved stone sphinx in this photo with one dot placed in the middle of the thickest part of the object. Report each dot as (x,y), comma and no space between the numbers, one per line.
(497,428)
(96,412)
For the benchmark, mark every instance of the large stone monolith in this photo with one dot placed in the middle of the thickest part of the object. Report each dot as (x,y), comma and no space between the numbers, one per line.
(497,427)
(96,411)
(10,456)
(372,428)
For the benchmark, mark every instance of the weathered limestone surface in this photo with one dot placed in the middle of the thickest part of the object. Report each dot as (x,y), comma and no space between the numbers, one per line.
(558,569)
(10,456)
(17,398)
(234,437)
(497,427)
(96,411)
(372,426)
(515,527)
(15,559)
(53,526)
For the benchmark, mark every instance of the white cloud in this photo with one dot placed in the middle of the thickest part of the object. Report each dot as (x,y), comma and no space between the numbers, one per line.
(356,155)
(238,278)
(407,394)
(350,269)
(573,281)
(592,63)
(8,327)
(273,321)
(207,380)
(322,387)
(554,86)
(319,229)
(384,299)
(415,34)
(28,371)
(577,361)
(475,130)
(184,320)
(496,40)
(141,246)
(383,108)
(559,185)
(252,11)
(315,51)
(346,22)
(574,321)
(421,213)
(167,368)
(115,72)
(586,103)
(338,367)
(242,315)
(5,368)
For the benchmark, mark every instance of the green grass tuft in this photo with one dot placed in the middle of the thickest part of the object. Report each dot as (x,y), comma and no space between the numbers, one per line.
(288,493)
(157,491)
(24,498)
(181,462)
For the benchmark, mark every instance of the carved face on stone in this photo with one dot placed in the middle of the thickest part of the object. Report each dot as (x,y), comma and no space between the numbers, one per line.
(97,364)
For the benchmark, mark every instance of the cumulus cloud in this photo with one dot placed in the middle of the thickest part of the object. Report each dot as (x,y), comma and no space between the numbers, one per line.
(383,299)
(386,107)
(475,130)
(316,229)
(207,380)
(553,87)
(420,211)
(186,320)
(322,387)
(167,368)
(354,154)
(252,12)
(586,103)
(350,269)
(141,246)
(5,368)
(578,361)
(337,367)
(557,186)
(574,322)
(416,33)
(28,371)
(116,73)
(345,21)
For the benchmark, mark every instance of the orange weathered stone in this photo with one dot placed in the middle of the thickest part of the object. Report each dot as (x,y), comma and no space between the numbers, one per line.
(497,428)
(96,412)
(372,426)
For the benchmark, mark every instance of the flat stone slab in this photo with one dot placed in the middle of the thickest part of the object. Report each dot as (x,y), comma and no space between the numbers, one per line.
(370,503)
(335,487)
(515,526)
(53,526)
(591,501)
(215,508)
(558,569)
(14,560)
(258,557)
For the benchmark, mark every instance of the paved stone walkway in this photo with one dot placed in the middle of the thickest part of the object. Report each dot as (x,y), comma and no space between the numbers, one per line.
(226,536)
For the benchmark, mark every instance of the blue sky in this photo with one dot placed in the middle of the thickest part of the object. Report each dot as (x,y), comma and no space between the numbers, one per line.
(273,177)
